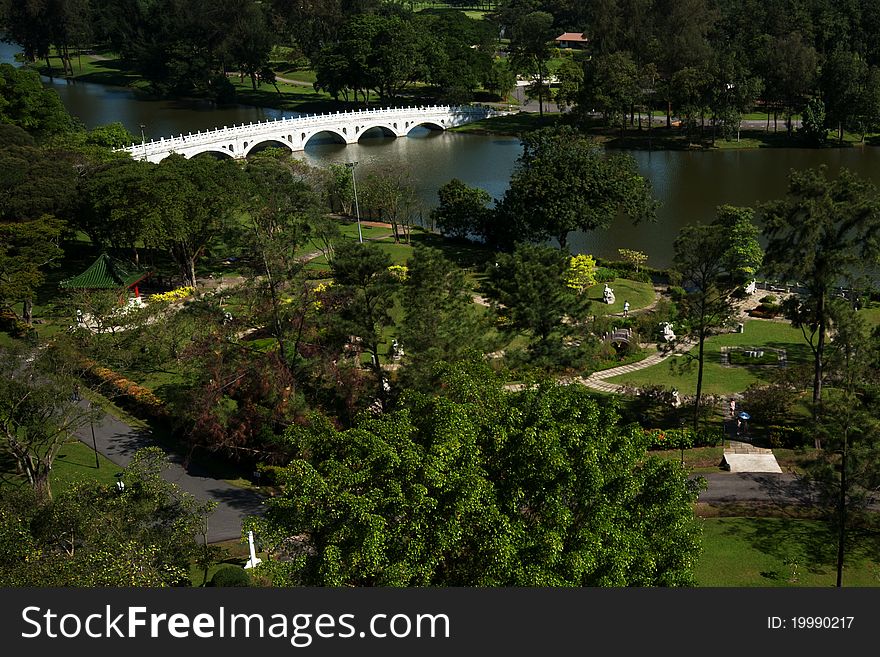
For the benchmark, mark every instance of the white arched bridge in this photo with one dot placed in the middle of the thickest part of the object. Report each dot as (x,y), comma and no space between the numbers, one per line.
(294,133)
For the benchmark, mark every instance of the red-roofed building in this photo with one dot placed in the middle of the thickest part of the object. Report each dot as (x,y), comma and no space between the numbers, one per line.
(571,40)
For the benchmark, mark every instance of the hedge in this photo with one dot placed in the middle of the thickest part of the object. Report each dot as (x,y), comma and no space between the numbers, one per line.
(682,438)
(141,400)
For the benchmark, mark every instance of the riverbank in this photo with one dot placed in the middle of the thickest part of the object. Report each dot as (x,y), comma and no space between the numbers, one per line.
(293,91)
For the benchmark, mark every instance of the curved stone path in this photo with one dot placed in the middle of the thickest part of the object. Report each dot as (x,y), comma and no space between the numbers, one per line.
(597,380)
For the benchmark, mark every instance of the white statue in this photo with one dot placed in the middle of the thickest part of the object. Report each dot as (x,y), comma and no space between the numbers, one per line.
(608,294)
(254,560)
(666,332)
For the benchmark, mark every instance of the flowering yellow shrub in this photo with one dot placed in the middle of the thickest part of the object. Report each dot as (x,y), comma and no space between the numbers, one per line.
(319,289)
(400,272)
(581,272)
(174,295)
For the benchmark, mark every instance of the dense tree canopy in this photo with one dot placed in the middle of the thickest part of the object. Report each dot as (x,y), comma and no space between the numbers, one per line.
(822,234)
(482,487)
(564,181)
(92,535)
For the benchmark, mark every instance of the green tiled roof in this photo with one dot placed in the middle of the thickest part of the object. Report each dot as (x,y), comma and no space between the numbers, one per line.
(106,273)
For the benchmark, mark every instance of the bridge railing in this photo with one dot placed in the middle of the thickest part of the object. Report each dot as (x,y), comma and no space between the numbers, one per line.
(165,144)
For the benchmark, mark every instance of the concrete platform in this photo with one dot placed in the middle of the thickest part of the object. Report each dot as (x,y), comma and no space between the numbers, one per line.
(750,463)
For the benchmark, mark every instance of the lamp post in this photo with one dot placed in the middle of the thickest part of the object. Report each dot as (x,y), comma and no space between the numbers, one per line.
(352,165)
(94,442)
(143,140)
(77,398)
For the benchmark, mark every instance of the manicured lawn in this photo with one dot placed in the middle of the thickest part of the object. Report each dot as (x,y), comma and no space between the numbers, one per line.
(717,378)
(637,293)
(742,552)
(699,460)
(76,462)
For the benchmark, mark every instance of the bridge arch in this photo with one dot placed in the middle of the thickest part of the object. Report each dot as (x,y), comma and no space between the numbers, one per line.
(431,125)
(215,150)
(376,127)
(260,141)
(341,138)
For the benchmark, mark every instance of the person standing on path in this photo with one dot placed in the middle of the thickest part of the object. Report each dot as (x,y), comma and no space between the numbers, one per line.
(626,308)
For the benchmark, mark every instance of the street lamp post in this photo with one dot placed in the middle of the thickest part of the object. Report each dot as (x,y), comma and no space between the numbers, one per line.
(143,140)
(76,397)
(94,442)
(352,165)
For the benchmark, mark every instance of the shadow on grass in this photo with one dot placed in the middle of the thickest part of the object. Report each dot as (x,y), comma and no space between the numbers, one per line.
(462,253)
(811,545)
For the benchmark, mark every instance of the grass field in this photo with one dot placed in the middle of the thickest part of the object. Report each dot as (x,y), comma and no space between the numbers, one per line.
(637,293)
(745,552)
(717,378)
(76,462)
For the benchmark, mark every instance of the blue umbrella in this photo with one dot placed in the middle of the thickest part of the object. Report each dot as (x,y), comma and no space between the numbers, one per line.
(744,416)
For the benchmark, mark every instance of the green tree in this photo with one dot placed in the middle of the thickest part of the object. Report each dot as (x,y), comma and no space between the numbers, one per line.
(481,487)
(37,415)
(362,295)
(113,204)
(390,191)
(440,321)
(581,273)
(714,260)
(189,205)
(25,102)
(820,234)
(91,535)
(845,471)
(564,181)
(788,71)
(530,39)
(530,292)
(841,82)
(813,124)
(462,211)
(613,87)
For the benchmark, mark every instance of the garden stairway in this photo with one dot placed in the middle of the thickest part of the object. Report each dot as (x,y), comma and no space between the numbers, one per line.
(743,457)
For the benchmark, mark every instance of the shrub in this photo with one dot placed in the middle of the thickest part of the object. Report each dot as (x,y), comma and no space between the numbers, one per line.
(770,298)
(677,292)
(781,436)
(173,295)
(231,576)
(605,275)
(140,398)
(768,404)
(581,272)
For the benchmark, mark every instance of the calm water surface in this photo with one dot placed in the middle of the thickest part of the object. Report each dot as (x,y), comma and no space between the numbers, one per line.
(688,184)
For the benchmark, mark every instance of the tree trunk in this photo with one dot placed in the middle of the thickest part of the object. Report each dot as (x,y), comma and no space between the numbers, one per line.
(192,271)
(699,375)
(817,369)
(668,114)
(841,535)
(541,94)
(563,241)
(27,311)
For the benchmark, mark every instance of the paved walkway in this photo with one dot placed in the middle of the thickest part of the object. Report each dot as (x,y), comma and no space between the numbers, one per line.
(597,380)
(118,442)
